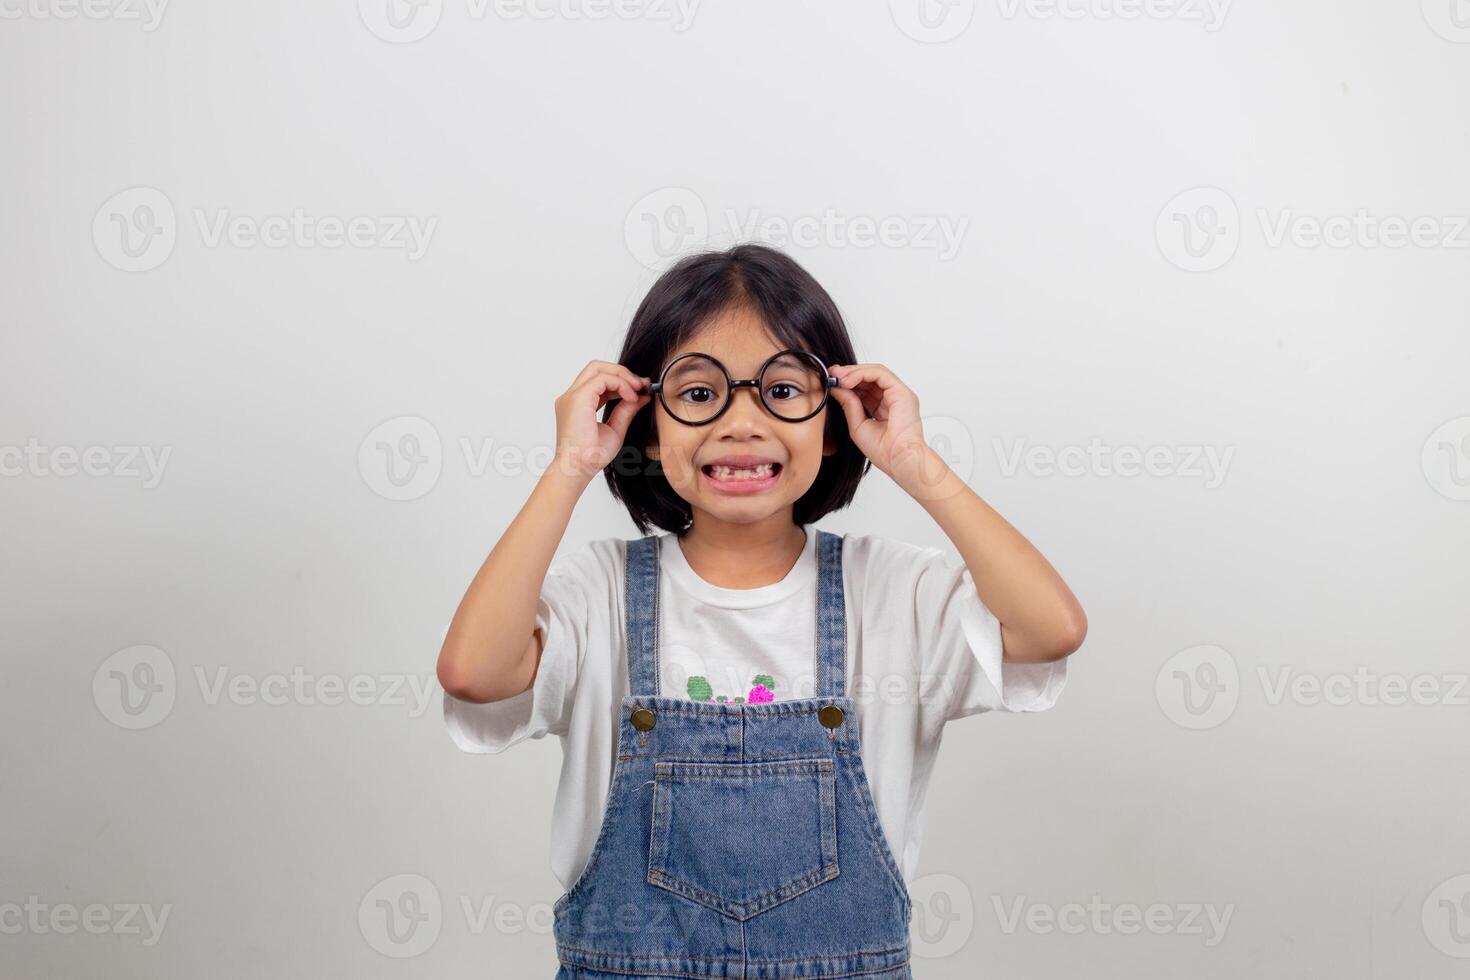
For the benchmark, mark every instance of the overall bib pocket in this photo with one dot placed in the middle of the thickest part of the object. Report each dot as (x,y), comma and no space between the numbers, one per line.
(743,837)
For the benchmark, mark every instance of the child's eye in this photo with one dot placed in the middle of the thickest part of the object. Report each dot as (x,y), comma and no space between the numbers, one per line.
(783,390)
(706,395)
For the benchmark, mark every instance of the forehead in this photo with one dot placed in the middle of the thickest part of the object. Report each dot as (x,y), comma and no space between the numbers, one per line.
(737,338)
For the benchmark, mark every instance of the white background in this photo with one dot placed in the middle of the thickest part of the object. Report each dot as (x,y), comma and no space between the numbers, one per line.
(1120,181)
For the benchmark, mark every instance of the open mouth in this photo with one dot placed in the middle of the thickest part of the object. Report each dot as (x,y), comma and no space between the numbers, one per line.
(742,479)
(759,472)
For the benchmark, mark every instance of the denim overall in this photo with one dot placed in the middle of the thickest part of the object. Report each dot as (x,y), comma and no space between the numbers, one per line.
(739,840)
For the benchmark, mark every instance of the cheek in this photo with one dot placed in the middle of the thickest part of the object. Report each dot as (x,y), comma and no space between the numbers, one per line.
(807,450)
(677,455)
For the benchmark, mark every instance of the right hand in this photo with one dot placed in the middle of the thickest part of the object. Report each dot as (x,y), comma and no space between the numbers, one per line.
(583,444)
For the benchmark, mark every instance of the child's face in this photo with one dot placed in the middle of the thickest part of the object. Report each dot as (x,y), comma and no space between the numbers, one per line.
(738,339)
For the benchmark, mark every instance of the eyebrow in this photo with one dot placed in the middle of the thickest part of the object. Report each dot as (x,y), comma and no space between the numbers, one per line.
(691,366)
(688,368)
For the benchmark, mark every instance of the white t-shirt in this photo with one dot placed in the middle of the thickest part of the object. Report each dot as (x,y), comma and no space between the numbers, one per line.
(922,649)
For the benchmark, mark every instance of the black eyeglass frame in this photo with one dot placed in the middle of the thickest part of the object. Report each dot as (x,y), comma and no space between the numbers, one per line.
(829,382)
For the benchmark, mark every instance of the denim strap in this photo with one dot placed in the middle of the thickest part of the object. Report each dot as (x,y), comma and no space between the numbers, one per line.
(831,619)
(641,610)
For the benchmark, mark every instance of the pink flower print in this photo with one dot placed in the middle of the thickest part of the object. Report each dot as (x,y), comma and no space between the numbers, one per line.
(760,694)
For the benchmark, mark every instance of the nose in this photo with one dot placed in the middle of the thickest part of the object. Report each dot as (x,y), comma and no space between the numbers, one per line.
(745,412)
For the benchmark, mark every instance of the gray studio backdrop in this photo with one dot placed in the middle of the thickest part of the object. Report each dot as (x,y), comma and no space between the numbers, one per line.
(288,291)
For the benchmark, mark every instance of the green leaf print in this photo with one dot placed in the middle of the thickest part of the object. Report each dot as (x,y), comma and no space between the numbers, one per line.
(763,689)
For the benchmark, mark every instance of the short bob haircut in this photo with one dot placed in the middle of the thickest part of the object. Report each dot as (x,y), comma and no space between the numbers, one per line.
(798,313)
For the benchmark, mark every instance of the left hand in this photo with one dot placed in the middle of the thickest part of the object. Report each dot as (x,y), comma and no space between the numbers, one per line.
(883,418)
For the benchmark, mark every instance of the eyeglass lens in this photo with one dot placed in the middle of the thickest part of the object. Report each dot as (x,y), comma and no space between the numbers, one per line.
(696,389)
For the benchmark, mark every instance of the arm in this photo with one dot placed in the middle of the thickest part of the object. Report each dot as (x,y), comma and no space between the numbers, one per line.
(1041,621)
(487,655)
(492,649)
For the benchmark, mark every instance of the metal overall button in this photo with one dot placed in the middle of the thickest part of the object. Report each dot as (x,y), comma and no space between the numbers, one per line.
(643,719)
(830,716)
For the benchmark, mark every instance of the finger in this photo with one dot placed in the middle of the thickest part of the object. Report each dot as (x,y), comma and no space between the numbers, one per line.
(869,390)
(871,373)
(637,380)
(594,368)
(607,386)
(875,384)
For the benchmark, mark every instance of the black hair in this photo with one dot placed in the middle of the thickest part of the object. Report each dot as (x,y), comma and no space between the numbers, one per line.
(795,309)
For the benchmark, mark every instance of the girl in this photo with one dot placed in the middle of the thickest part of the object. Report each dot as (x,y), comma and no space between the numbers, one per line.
(749,705)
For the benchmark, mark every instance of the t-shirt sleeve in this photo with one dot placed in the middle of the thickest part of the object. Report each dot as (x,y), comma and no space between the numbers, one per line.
(570,586)
(960,650)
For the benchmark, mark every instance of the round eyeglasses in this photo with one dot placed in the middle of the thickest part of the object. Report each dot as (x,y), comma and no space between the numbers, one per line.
(695,388)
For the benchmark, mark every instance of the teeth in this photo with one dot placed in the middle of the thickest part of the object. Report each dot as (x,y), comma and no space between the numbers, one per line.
(742,472)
